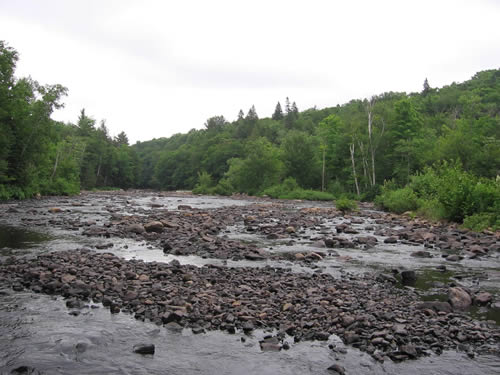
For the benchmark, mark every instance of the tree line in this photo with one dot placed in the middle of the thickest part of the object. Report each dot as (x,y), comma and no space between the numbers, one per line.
(361,149)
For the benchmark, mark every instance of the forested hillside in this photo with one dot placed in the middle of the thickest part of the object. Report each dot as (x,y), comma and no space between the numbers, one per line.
(361,149)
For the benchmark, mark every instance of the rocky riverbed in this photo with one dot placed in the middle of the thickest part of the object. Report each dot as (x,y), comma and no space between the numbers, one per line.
(301,271)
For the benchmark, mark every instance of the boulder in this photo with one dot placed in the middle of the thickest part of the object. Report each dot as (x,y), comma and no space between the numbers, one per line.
(459,298)
(482,298)
(144,348)
(154,226)
(135,228)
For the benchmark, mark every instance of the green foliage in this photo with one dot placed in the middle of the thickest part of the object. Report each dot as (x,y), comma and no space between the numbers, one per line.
(398,201)
(205,184)
(290,189)
(346,205)
(481,221)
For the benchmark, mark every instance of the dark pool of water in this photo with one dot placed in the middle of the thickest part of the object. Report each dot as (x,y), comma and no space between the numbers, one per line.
(12,238)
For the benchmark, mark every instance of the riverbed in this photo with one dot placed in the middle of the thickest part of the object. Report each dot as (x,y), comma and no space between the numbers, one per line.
(41,335)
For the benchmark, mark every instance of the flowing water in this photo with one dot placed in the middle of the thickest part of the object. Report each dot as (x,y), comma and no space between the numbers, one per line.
(39,335)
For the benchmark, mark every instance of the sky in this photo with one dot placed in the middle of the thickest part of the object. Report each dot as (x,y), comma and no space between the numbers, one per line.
(156,68)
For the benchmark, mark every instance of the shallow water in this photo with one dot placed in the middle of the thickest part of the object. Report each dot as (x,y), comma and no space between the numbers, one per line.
(36,331)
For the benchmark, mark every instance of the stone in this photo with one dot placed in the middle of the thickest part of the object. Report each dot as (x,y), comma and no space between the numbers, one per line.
(55,210)
(459,298)
(453,258)
(154,226)
(435,306)
(408,277)
(391,240)
(482,298)
(421,254)
(337,369)
(144,348)
(135,228)
(290,229)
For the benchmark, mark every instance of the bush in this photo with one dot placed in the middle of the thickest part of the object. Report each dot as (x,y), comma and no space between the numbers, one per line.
(309,195)
(205,184)
(346,205)
(481,221)
(430,209)
(398,201)
(289,189)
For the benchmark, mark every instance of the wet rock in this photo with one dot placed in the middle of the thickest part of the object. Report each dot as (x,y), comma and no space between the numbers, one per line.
(459,298)
(453,258)
(144,348)
(290,229)
(482,298)
(184,207)
(55,210)
(135,228)
(25,370)
(247,327)
(409,349)
(421,254)
(337,369)
(408,277)
(384,277)
(391,240)
(154,226)
(270,344)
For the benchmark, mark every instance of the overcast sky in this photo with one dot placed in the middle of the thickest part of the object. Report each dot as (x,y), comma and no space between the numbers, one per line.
(155,68)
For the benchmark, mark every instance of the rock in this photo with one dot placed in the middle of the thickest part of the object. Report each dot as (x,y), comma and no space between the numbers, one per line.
(351,337)
(459,298)
(384,277)
(336,369)
(67,278)
(175,316)
(290,229)
(269,346)
(408,277)
(409,349)
(254,256)
(184,207)
(421,254)
(247,327)
(25,370)
(453,258)
(154,226)
(321,336)
(135,228)
(144,348)
(55,210)
(391,240)
(299,256)
(482,298)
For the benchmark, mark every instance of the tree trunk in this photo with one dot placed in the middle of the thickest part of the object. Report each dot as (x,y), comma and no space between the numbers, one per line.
(351,148)
(55,164)
(323,172)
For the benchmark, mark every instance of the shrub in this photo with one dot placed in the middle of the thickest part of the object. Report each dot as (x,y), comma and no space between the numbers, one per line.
(399,201)
(430,209)
(481,221)
(205,184)
(346,205)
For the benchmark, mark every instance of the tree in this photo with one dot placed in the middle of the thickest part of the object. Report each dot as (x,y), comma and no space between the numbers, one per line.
(278,113)
(299,157)
(427,88)
(215,123)
(121,139)
(252,115)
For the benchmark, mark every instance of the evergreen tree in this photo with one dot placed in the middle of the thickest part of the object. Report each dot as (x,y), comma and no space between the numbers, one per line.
(252,115)
(427,88)
(241,115)
(278,113)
